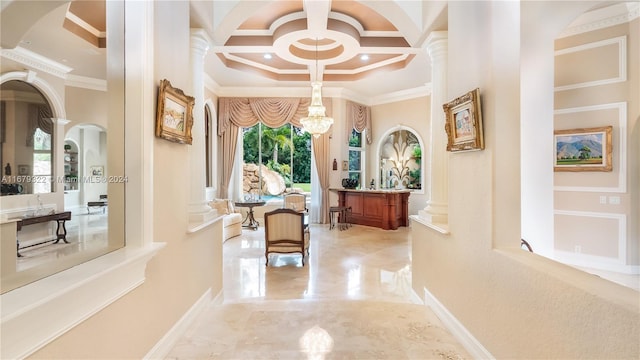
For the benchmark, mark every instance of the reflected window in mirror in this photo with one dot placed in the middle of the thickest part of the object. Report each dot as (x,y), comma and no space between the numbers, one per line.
(27,137)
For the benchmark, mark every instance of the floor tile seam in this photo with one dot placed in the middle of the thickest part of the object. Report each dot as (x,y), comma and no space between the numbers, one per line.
(286,303)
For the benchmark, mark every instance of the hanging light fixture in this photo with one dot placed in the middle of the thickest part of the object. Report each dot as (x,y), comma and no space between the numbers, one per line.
(316,123)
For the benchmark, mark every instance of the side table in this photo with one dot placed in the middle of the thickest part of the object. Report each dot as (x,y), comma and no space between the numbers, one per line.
(249,221)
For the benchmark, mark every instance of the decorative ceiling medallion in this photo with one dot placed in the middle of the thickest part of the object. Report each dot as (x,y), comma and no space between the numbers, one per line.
(343,35)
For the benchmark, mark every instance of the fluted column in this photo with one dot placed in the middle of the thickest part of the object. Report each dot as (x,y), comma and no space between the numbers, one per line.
(199,211)
(437,209)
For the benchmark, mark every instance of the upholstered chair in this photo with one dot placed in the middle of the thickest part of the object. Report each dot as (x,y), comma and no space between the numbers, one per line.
(285,231)
(296,201)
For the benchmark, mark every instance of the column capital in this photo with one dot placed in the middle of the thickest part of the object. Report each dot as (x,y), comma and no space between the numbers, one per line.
(200,41)
(60,122)
(437,43)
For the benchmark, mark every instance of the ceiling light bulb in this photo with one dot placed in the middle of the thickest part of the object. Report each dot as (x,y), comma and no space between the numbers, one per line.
(267,56)
(364,57)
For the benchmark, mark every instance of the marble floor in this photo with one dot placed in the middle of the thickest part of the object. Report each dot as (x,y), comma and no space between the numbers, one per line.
(85,231)
(351,300)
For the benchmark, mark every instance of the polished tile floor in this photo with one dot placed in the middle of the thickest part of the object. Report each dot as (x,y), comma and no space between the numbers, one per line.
(351,300)
(85,231)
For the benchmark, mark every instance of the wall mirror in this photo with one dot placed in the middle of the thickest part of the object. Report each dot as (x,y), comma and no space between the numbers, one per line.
(62,91)
(26,134)
(400,160)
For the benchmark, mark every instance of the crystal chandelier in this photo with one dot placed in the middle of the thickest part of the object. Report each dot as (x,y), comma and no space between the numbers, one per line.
(316,123)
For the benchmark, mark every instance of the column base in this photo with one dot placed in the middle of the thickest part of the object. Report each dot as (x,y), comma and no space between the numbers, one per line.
(200,213)
(433,218)
(436,213)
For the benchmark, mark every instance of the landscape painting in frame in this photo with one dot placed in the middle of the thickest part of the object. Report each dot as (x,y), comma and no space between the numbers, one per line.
(174,117)
(583,149)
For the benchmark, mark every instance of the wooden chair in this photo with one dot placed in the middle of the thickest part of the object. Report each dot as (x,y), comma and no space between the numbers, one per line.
(285,232)
(296,201)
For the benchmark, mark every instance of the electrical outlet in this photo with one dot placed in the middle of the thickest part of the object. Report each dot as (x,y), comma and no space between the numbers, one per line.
(614,200)
(577,249)
(603,199)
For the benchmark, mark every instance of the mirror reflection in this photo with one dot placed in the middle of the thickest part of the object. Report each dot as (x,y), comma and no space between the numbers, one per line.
(59,207)
(26,134)
(401,161)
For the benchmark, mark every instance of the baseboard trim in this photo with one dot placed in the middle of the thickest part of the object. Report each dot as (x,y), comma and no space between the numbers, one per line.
(168,341)
(466,339)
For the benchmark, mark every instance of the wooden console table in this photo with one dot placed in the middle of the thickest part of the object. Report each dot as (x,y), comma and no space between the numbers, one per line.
(386,209)
(61,230)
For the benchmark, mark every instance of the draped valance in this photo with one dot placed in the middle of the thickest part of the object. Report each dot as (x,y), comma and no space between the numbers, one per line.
(358,118)
(273,112)
(39,116)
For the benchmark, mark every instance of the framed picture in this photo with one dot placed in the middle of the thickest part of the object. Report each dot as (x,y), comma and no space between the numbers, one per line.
(463,122)
(345,165)
(583,149)
(23,169)
(174,117)
(97,170)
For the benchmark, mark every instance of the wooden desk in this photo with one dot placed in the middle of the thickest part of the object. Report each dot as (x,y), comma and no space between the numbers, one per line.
(61,230)
(386,209)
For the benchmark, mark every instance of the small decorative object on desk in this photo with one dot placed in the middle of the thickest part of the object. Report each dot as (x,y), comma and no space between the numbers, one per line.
(349,183)
(372,185)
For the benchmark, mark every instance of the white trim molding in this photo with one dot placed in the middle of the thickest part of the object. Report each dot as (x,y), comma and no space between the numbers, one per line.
(616,14)
(47,90)
(36,61)
(621,41)
(457,329)
(620,150)
(68,298)
(595,261)
(162,348)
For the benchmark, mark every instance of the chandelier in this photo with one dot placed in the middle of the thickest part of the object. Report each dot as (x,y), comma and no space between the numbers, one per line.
(316,123)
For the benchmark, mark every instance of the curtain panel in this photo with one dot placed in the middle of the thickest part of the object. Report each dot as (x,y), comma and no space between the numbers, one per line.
(358,118)
(39,116)
(273,112)
(236,113)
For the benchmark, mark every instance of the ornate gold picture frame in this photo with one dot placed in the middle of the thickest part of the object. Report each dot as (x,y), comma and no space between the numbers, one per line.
(174,117)
(463,122)
(587,149)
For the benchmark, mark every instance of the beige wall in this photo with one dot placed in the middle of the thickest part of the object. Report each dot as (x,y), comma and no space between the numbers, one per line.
(516,304)
(590,228)
(187,267)
(415,114)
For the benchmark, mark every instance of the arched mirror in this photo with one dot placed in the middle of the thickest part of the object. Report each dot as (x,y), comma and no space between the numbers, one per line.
(62,90)
(400,160)
(26,134)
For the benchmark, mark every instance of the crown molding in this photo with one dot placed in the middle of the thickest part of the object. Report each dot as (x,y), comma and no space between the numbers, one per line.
(402,95)
(86,82)
(601,18)
(36,61)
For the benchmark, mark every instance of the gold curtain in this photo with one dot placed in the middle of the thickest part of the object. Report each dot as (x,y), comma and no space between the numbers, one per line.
(236,113)
(358,118)
(273,112)
(321,156)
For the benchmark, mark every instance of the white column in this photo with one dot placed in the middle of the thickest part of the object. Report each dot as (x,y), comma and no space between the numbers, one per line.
(199,210)
(437,210)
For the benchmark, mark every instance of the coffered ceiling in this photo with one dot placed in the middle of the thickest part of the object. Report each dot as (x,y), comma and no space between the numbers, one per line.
(305,40)
(362,48)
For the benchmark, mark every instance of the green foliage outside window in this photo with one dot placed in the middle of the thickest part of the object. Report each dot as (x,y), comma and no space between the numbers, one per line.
(276,151)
